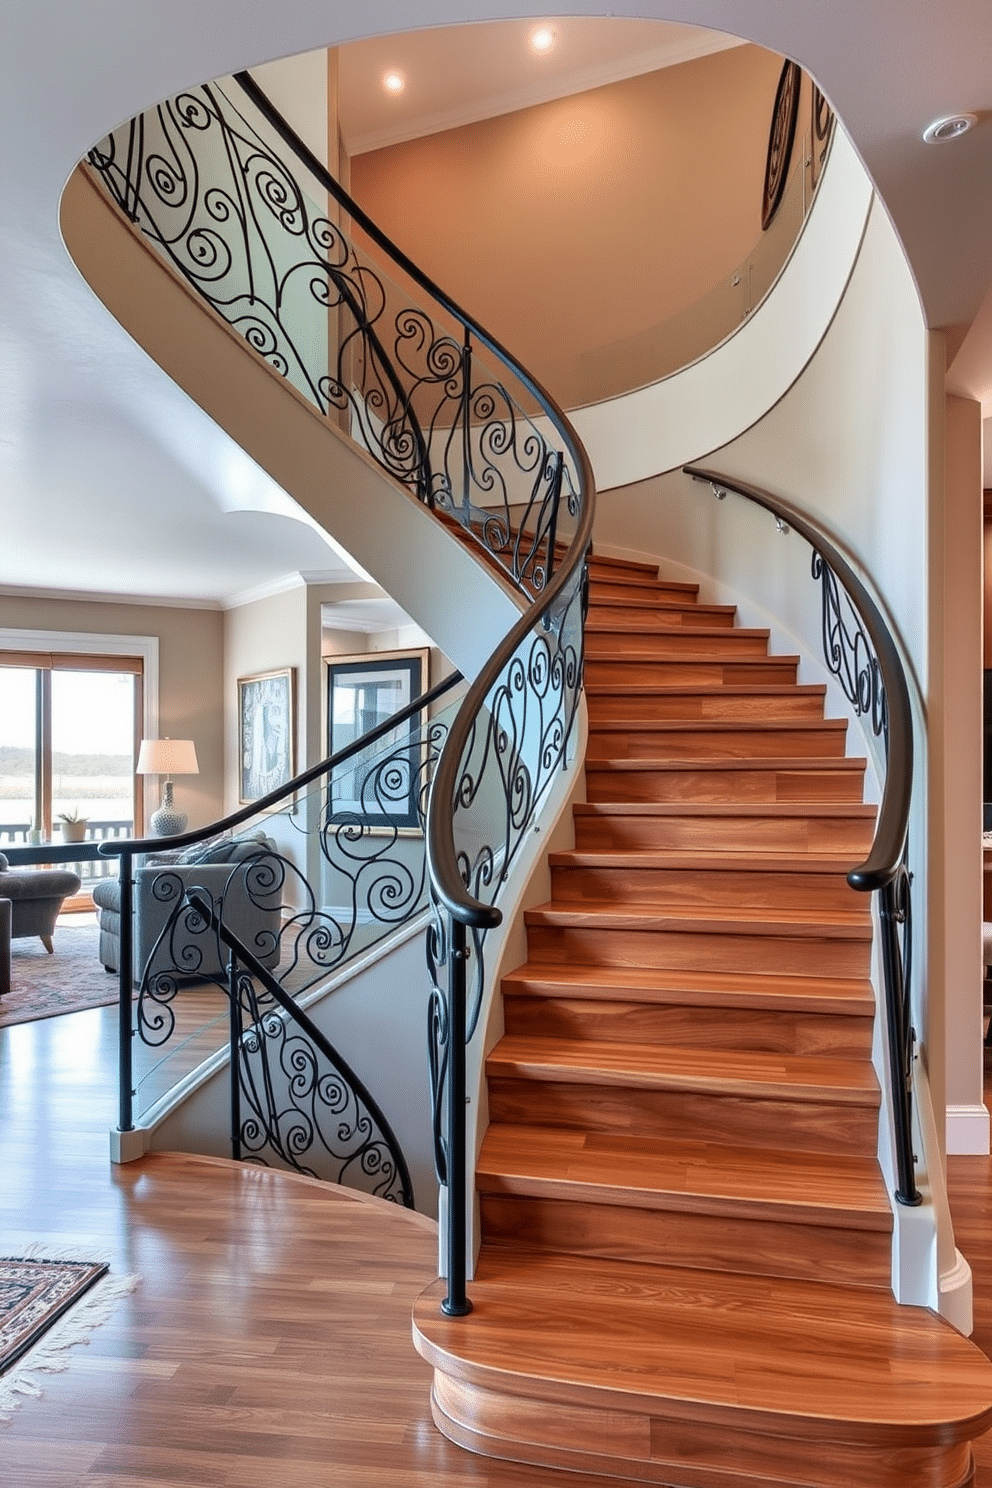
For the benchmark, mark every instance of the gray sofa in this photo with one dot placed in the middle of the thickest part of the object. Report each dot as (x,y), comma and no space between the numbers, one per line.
(36,896)
(240,875)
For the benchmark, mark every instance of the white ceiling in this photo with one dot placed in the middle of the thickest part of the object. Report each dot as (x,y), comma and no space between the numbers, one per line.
(111,481)
(455,75)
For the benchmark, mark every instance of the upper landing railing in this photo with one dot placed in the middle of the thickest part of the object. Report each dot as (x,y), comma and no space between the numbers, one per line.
(240,209)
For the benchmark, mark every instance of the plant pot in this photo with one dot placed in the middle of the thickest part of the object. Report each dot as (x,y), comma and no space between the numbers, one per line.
(73,831)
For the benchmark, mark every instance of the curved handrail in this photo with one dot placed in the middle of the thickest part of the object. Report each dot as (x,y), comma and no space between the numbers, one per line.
(114,847)
(882,864)
(441,853)
(881,686)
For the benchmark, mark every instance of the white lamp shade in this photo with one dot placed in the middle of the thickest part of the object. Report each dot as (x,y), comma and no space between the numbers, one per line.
(167,757)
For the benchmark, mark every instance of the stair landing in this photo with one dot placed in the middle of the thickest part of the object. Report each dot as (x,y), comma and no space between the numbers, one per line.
(673,1375)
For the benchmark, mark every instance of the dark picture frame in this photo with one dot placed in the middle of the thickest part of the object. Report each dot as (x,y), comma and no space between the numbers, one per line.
(266,732)
(781,137)
(361,692)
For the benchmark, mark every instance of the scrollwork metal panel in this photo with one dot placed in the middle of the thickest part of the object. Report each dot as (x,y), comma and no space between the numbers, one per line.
(204,185)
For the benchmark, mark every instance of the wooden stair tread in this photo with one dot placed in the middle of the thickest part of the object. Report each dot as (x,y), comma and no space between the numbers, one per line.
(805,1360)
(725,808)
(631,569)
(609,914)
(685,632)
(703,689)
(695,988)
(628,1170)
(698,860)
(717,725)
(840,763)
(717,1071)
(636,602)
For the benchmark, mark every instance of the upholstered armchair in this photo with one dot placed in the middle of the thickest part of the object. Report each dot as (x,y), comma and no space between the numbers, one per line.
(242,877)
(36,896)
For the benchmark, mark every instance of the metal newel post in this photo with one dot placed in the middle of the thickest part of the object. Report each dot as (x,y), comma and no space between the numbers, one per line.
(125,987)
(235,1047)
(899,1049)
(456,1303)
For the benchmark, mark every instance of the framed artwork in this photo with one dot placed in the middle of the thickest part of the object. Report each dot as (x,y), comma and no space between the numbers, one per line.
(379,786)
(782,134)
(266,732)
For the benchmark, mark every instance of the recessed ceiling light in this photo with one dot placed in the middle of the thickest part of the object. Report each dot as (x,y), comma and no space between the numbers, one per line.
(543,39)
(949,128)
(394,82)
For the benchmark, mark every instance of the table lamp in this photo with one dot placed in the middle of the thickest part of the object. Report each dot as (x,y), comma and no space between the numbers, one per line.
(167,757)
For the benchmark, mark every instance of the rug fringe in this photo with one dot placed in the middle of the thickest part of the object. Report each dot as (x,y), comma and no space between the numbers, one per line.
(49,1355)
(41,1250)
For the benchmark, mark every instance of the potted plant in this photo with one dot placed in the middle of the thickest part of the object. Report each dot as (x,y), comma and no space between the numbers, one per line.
(73,826)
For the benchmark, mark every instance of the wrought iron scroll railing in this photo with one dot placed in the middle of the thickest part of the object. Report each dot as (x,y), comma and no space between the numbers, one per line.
(300,272)
(221,931)
(240,209)
(860,652)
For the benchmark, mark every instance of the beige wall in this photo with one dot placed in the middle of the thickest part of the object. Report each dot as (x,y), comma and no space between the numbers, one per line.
(956,776)
(517,217)
(190,678)
(263,637)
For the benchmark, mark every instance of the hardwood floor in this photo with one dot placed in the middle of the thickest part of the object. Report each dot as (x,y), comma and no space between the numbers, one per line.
(270,1333)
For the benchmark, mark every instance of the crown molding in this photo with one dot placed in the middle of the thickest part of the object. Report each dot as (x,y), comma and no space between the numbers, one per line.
(531,94)
(100,596)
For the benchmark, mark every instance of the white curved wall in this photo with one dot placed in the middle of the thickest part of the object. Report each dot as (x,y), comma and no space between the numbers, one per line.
(715,399)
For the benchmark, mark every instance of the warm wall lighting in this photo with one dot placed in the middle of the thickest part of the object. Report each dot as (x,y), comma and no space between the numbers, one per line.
(394,82)
(542,40)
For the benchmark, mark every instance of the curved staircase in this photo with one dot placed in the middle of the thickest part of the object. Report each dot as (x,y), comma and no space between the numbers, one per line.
(684,1274)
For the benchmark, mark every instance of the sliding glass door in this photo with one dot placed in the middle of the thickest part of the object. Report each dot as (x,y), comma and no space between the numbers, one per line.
(69,732)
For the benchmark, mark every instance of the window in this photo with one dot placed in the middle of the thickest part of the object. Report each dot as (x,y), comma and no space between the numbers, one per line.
(70,725)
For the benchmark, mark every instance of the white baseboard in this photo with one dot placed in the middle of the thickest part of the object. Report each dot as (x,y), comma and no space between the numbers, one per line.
(956,1295)
(127,1146)
(967,1131)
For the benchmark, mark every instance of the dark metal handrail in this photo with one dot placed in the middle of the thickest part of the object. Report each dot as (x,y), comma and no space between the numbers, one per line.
(126,849)
(113,847)
(447,879)
(431,409)
(879,688)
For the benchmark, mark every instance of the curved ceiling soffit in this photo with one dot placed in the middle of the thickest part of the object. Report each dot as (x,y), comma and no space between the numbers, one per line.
(883,114)
(714,400)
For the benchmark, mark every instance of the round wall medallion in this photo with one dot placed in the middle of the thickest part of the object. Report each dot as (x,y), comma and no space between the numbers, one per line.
(780,139)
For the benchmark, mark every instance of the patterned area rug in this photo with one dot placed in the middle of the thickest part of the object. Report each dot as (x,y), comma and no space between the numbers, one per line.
(42,986)
(48,1302)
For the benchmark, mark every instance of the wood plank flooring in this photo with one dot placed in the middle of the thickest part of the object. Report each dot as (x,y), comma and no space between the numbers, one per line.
(270,1334)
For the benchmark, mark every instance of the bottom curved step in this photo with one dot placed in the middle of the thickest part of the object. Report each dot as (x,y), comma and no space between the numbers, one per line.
(702,1380)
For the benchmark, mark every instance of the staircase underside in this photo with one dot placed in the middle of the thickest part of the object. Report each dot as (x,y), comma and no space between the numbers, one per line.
(684,1275)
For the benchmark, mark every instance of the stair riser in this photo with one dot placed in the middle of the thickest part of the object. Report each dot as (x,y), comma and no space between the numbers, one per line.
(730,645)
(685,1115)
(663,617)
(681,889)
(682,950)
(740,784)
(689,673)
(624,569)
(602,585)
(675,1026)
(712,1242)
(712,707)
(606,1443)
(718,742)
(772,834)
